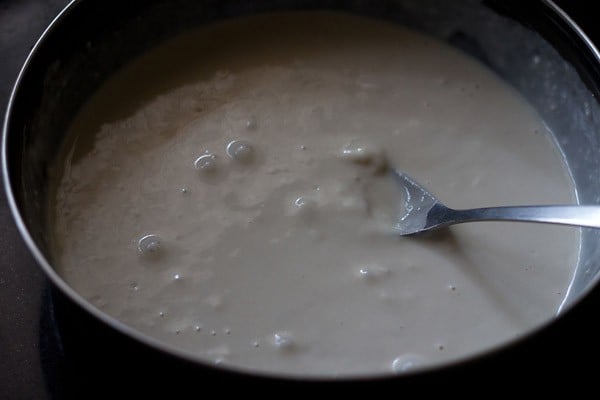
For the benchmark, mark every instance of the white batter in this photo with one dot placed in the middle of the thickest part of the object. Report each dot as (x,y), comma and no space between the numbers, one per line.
(227,194)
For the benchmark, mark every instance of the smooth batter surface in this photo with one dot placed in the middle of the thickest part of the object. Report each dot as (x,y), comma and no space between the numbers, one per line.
(227,194)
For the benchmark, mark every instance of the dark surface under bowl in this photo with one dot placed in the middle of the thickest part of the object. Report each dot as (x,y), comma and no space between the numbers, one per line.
(49,348)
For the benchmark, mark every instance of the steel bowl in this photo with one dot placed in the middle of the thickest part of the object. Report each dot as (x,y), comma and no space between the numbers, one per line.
(533,45)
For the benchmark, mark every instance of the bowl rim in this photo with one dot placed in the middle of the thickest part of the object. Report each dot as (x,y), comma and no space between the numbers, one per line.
(155,344)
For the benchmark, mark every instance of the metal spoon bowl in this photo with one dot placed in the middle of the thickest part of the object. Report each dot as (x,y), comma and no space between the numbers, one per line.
(423,212)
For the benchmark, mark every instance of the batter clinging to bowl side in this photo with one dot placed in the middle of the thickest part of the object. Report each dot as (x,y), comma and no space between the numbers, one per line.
(226,194)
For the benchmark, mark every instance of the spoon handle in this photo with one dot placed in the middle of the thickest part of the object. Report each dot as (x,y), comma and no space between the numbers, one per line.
(587,216)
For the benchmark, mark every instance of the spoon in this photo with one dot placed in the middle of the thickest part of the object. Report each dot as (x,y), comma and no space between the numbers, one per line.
(424,212)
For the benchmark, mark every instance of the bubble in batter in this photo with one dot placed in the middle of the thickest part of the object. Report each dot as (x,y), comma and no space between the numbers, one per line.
(304,205)
(373,272)
(240,150)
(407,362)
(206,163)
(150,245)
(284,340)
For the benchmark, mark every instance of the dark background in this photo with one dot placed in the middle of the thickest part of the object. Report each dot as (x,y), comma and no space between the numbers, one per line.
(24,289)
